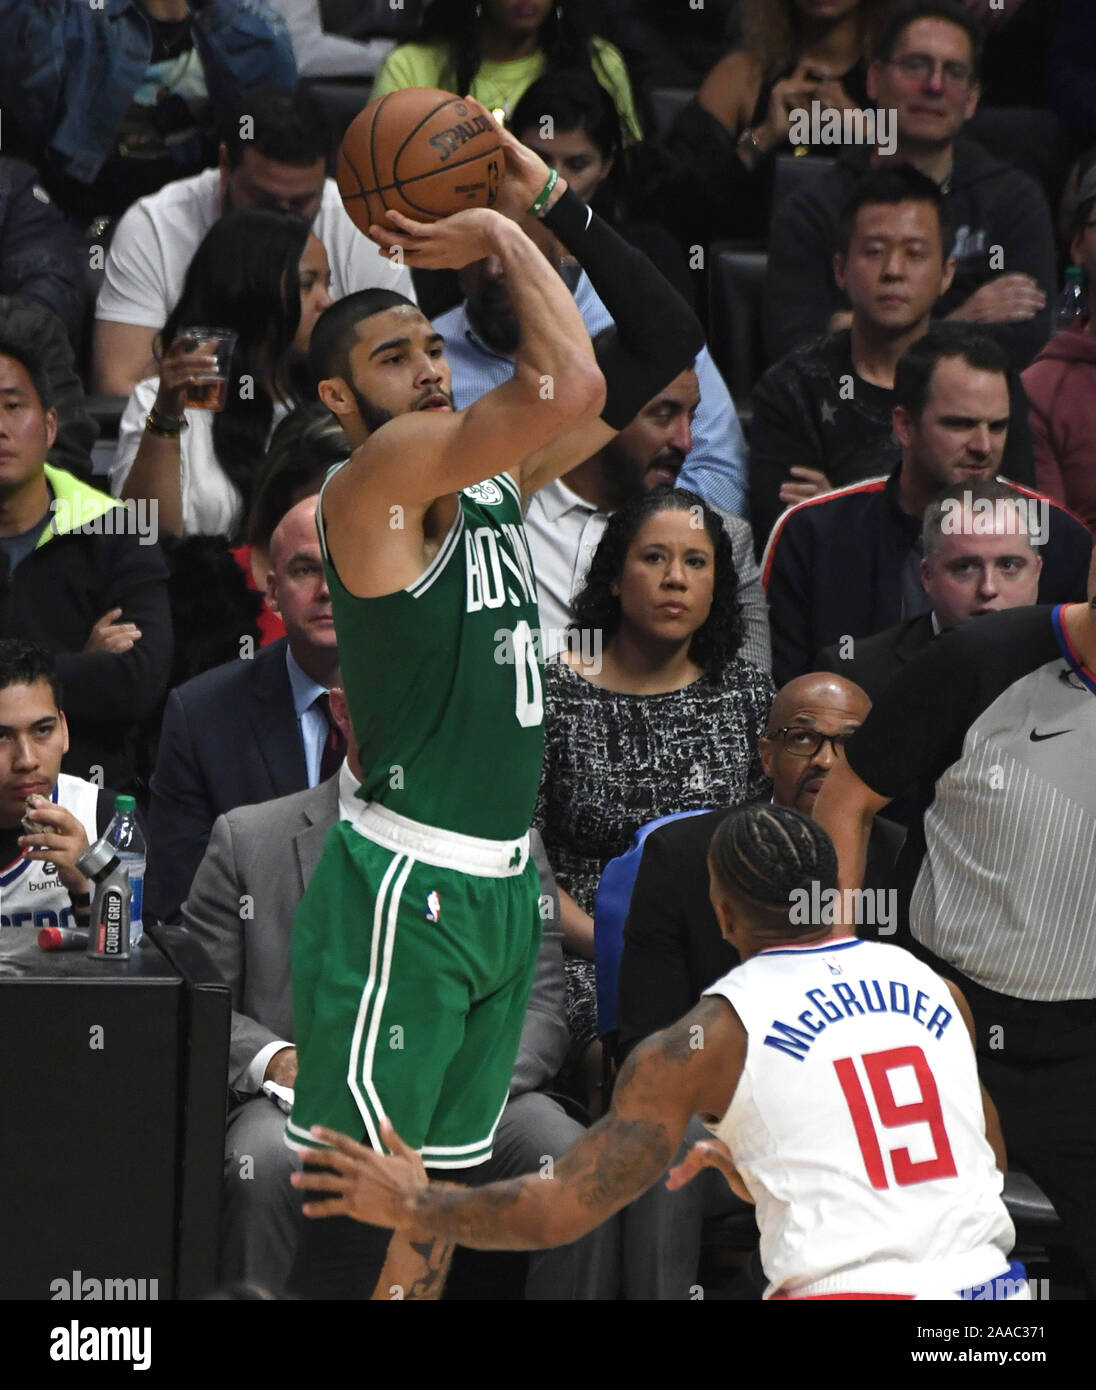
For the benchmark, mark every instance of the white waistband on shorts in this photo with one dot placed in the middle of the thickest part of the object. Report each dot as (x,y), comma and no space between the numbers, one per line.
(445,849)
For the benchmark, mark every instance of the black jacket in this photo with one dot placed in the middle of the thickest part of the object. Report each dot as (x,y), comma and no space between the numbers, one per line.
(834,565)
(673,949)
(55,597)
(811,409)
(875,661)
(39,257)
(229,738)
(990,205)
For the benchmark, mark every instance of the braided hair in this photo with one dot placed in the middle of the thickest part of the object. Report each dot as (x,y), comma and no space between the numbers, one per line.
(763,854)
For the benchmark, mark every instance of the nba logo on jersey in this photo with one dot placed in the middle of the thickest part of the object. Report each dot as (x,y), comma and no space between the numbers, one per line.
(433,907)
(488,493)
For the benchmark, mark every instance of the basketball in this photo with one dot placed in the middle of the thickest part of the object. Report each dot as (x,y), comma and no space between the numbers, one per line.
(422,152)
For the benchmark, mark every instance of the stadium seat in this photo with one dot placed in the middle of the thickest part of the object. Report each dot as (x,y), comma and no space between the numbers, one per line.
(736,274)
(341,98)
(611,903)
(1032,1211)
(793,172)
(664,104)
(1028,138)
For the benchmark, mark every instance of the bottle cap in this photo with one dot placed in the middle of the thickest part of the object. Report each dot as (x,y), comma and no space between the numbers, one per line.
(125,803)
(96,858)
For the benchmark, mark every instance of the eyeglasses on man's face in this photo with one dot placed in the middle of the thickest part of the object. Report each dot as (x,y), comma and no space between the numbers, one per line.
(804,742)
(918,66)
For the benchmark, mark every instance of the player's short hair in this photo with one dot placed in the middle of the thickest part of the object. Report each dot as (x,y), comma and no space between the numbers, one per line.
(28,357)
(900,184)
(26,663)
(990,490)
(913,374)
(304,446)
(290,127)
(597,609)
(912,10)
(763,855)
(336,330)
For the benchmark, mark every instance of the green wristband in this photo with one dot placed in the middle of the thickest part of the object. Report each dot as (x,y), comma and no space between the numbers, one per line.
(545,194)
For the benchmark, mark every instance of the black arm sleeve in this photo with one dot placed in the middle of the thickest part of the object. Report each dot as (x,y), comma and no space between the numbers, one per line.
(657,335)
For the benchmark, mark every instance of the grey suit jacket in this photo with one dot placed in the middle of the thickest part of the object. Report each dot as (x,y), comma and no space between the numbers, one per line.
(241,905)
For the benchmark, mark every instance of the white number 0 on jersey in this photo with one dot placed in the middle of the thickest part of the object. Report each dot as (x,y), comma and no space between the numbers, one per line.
(529,694)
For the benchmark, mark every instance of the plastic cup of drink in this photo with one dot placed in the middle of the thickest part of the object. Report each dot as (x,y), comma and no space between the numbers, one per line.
(208,392)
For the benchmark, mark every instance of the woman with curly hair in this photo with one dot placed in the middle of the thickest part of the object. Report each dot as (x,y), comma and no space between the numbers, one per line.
(493,49)
(718,179)
(650,711)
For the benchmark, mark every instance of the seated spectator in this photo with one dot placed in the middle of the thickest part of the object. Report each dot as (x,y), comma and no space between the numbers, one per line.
(40,884)
(22,322)
(822,416)
(666,718)
(988,563)
(847,564)
(565,520)
(281,166)
(924,78)
(673,950)
(263,275)
(1061,386)
(40,261)
(712,176)
(81,576)
(481,336)
(122,99)
(668,43)
(569,119)
(303,447)
(319,53)
(251,729)
(268,852)
(493,49)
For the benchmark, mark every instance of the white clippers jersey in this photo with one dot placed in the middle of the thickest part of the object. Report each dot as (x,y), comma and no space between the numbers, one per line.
(857,1125)
(31,894)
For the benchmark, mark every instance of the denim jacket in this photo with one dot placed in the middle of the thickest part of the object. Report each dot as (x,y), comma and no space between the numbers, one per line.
(69,68)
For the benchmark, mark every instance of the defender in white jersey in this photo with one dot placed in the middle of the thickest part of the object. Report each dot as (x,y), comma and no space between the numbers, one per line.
(839,1073)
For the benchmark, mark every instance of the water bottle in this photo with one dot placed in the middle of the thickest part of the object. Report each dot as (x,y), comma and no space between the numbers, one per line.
(125,838)
(1071,302)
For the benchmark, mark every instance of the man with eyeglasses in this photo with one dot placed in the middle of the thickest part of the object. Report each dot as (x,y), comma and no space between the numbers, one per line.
(925,69)
(673,950)
(1061,385)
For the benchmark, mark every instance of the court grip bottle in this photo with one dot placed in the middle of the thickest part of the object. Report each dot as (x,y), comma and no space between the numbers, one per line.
(108,935)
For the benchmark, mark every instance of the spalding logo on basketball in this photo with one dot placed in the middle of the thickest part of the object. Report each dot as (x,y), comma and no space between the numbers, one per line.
(420,151)
(488,493)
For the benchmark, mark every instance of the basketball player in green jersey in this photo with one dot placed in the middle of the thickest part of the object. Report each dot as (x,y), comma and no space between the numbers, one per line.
(415,942)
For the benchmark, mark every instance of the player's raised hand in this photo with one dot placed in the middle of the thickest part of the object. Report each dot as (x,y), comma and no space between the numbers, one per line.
(447,244)
(375,1188)
(526,175)
(708,1153)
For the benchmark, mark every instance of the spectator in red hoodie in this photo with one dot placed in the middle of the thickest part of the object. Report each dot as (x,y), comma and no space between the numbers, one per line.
(1061,386)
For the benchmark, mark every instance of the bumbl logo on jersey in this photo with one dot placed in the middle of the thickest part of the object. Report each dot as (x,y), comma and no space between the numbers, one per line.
(489,494)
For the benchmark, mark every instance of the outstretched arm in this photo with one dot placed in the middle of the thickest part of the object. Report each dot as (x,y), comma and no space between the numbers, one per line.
(692,1066)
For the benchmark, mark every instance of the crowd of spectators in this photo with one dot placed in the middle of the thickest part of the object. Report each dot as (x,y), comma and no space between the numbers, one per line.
(912,358)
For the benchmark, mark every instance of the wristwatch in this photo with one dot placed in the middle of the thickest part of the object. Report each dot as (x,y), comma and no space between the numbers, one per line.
(165,426)
(749,141)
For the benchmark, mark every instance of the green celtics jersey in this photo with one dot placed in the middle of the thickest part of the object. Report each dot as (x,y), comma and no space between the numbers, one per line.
(443,678)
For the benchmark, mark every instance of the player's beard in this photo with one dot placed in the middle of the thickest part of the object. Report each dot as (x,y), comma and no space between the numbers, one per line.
(492,316)
(373,415)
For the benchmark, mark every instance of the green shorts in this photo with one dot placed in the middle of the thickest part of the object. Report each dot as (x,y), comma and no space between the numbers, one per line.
(410,982)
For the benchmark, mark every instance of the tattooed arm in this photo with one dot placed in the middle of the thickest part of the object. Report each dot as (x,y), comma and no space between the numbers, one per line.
(691,1067)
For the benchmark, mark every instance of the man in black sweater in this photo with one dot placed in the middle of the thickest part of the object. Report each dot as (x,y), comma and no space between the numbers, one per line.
(822,415)
(82,576)
(925,69)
